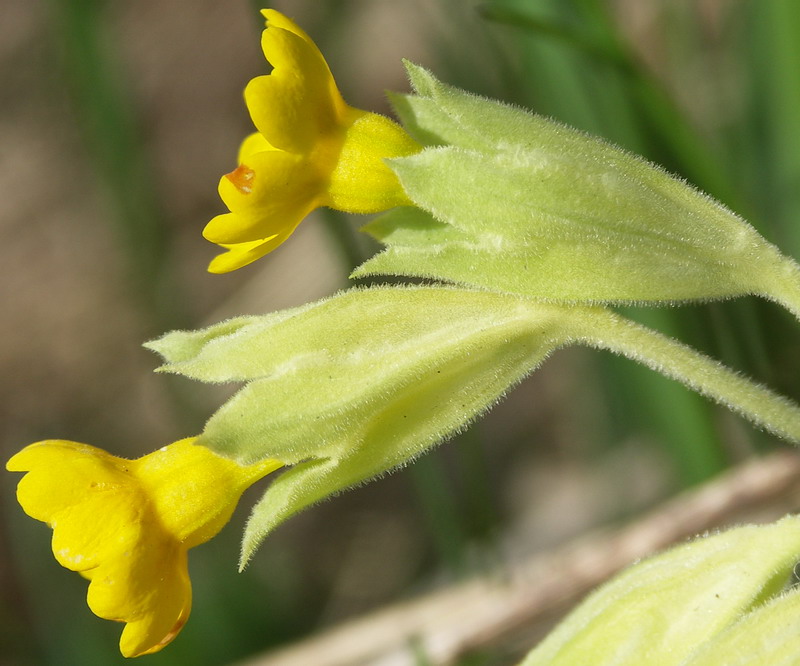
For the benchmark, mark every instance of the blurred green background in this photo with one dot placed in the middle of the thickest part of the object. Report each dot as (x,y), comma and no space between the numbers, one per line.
(116,121)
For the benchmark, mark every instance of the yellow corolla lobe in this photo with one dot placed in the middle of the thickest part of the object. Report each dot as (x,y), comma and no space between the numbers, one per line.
(311,149)
(126,525)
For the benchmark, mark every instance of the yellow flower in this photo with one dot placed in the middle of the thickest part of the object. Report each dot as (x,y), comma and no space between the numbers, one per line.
(311,149)
(126,525)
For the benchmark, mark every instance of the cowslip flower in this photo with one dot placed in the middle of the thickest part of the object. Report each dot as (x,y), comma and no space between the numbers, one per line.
(311,149)
(126,525)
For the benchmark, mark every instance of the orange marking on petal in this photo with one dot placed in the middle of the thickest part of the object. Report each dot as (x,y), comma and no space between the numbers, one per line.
(242,178)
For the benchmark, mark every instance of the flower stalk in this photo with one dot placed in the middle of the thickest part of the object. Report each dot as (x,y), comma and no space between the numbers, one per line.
(604,329)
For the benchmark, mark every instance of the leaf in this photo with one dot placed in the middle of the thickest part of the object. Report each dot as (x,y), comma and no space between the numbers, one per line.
(660,611)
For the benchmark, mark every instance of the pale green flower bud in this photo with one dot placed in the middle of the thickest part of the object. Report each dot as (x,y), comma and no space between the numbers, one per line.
(518,203)
(695,605)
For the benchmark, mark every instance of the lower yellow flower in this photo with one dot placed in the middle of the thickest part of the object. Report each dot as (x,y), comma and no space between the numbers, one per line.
(126,525)
(311,150)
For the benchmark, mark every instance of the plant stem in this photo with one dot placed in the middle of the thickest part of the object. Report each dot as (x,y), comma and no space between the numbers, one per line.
(605,329)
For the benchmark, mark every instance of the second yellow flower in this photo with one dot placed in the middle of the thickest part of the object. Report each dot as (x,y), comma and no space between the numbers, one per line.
(311,149)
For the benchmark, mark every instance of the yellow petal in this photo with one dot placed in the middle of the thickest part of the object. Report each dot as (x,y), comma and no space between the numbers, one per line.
(242,254)
(275,18)
(99,528)
(254,143)
(298,101)
(149,589)
(43,493)
(269,194)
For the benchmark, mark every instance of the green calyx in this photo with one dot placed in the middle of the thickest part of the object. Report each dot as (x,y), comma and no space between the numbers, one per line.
(358,384)
(517,203)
